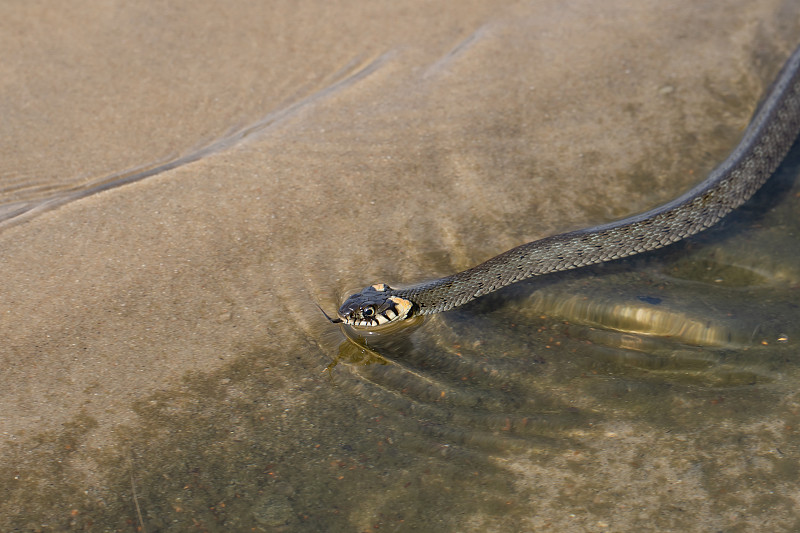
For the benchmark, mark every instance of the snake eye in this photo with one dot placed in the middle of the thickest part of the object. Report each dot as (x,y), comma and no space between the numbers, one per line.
(368,312)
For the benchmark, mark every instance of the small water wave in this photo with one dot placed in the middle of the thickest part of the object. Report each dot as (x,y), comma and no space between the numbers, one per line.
(637,317)
(42,197)
(527,372)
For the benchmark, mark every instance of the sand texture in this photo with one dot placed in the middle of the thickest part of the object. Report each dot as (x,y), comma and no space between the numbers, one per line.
(182,182)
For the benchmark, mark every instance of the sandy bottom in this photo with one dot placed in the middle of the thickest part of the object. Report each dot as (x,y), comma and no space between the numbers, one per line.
(180,184)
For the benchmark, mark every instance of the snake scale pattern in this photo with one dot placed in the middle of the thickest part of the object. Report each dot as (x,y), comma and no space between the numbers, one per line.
(765,143)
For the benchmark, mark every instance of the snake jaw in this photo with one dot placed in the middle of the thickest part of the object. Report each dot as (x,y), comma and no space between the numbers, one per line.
(374,306)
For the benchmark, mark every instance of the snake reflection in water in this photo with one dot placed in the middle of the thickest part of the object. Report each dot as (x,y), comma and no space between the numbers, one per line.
(764,145)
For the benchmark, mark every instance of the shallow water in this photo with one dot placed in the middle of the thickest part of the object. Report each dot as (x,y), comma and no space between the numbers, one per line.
(165,367)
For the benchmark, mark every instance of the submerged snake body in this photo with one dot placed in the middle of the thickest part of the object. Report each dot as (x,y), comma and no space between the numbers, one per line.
(765,143)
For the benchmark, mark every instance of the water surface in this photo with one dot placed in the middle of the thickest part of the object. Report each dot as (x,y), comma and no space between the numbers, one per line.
(183,185)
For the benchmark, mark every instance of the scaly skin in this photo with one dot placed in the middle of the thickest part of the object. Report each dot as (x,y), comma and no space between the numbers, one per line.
(766,141)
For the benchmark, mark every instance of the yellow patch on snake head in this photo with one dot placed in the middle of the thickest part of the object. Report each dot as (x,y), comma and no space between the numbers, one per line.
(374,306)
(402,306)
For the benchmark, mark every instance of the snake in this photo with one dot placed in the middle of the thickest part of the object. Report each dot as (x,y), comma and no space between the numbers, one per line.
(764,144)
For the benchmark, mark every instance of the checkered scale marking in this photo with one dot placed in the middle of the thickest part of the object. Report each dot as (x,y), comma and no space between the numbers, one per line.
(764,145)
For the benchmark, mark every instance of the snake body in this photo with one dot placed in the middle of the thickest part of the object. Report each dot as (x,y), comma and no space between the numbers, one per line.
(765,143)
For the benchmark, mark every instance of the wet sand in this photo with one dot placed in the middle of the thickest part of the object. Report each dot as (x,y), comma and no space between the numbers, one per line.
(340,145)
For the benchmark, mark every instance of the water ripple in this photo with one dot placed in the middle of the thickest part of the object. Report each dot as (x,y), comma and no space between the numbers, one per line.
(20,211)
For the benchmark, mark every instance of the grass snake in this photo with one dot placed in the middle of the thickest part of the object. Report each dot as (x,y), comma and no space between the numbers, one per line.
(765,143)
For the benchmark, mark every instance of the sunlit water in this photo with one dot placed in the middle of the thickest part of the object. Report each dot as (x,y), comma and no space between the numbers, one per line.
(658,392)
(683,361)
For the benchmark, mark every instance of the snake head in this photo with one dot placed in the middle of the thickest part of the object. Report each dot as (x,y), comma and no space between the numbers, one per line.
(374,306)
